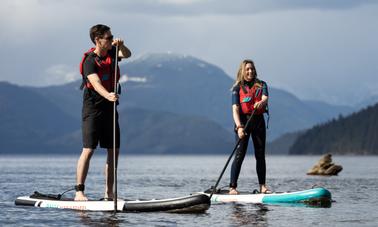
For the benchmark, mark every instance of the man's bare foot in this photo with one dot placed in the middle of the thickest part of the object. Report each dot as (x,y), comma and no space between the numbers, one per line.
(233,191)
(108,196)
(79,196)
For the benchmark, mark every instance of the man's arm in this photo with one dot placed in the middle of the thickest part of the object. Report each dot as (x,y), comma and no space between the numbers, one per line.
(96,83)
(123,51)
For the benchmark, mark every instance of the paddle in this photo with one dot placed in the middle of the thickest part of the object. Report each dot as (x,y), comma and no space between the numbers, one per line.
(114,132)
(233,151)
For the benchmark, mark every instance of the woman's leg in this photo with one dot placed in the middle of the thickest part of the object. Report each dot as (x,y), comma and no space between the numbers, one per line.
(238,161)
(259,139)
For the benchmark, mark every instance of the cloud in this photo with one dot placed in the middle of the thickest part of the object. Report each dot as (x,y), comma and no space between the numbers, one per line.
(224,7)
(26,8)
(60,74)
(295,43)
(28,16)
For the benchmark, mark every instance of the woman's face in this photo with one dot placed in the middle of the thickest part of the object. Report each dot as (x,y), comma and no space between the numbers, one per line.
(248,72)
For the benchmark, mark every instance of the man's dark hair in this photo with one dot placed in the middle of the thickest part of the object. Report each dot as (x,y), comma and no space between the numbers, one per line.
(98,30)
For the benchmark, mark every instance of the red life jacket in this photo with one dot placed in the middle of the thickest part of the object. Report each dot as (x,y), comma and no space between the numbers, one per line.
(105,71)
(249,96)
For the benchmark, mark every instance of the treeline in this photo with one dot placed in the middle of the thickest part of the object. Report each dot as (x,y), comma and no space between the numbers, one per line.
(354,134)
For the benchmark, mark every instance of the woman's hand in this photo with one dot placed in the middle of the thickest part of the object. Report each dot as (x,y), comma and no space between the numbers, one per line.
(262,103)
(241,133)
(259,105)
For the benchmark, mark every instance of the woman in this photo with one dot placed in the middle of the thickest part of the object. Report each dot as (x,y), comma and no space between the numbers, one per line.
(249,98)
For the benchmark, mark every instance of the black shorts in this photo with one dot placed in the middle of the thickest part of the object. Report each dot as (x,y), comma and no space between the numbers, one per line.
(97,125)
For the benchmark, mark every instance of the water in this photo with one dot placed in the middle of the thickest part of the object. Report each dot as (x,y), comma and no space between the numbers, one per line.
(354,190)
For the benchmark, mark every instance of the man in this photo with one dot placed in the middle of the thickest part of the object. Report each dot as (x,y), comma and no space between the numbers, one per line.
(98,70)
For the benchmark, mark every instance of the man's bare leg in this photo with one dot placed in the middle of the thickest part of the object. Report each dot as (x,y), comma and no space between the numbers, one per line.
(82,171)
(109,176)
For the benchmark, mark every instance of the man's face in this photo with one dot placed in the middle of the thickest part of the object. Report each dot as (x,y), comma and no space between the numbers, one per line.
(105,42)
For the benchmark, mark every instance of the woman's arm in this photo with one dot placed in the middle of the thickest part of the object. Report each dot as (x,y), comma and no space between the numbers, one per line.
(236,116)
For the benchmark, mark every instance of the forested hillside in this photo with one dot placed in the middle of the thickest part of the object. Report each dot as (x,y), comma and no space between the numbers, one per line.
(354,134)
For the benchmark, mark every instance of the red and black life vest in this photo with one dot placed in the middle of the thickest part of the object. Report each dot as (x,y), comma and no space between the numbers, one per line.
(249,96)
(105,72)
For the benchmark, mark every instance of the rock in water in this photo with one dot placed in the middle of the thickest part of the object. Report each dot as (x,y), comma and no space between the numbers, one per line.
(325,167)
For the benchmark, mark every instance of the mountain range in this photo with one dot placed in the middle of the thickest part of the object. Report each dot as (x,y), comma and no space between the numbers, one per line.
(170,103)
(28,119)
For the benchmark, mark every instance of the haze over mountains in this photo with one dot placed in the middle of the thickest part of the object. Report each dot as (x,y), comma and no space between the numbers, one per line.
(169,104)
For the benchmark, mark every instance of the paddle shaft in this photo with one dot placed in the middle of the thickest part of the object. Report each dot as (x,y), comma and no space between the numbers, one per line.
(224,168)
(233,151)
(114,132)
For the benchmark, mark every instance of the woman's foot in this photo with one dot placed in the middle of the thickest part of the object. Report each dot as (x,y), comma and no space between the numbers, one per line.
(233,191)
(264,189)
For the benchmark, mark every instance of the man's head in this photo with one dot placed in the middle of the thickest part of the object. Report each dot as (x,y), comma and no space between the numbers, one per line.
(98,31)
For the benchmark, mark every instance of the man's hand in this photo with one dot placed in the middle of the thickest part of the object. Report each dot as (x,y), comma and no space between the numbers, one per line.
(112,97)
(123,52)
(117,42)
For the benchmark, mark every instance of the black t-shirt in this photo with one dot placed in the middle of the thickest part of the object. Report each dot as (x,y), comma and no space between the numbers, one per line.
(89,65)
(91,98)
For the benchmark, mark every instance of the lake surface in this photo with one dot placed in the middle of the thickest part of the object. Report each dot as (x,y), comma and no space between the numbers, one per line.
(355,190)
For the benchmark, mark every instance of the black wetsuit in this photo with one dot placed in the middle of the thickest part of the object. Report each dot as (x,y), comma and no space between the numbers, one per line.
(257,131)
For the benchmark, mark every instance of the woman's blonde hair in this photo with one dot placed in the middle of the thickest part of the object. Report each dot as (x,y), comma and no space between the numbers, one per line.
(241,72)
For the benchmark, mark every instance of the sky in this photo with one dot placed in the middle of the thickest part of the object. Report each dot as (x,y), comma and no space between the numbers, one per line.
(323,50)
